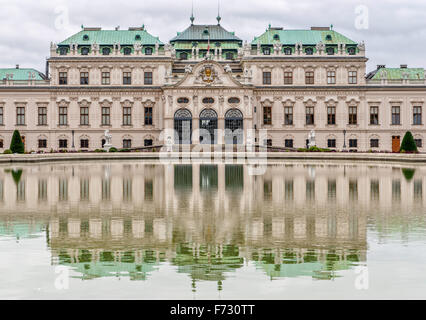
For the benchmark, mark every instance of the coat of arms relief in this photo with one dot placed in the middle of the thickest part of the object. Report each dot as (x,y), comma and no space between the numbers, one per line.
(207,75)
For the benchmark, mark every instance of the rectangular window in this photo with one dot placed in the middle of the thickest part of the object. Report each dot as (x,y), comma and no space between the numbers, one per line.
(352,115)
(42,143)
(353,143)
(352,77)
(267,115)
(331,143)
(310,116)
(417,115)
(418,142)
(288,115)
(63,78)
(267,78)
(127,78)
(148,116)
(331,115)
(63,116)
(147,142)
(106,116)
(63,143)
(127,143)
(84,143)
(374,143)
(331,77)
(42,116)
(106,78)
(309,77)
(127,116)
(288,77)
(396,115)
(84,78)
(147,78)
(288,143)
(374,115)
(1,116)
(84,116)
(20,115)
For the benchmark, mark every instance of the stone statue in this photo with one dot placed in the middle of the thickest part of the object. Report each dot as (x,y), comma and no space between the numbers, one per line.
(108,139)
(188,68)
(228,68)
(311,138)
(361,46)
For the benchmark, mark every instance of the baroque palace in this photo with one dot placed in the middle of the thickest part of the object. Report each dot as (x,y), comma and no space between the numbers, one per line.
(288,82)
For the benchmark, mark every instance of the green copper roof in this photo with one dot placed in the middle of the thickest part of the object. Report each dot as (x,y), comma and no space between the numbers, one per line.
(109,37)
(306,37)
(397,73)
(202,33)
(21,74)
(203,46)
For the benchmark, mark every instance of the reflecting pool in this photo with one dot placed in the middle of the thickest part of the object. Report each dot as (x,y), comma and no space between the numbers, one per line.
(145,230)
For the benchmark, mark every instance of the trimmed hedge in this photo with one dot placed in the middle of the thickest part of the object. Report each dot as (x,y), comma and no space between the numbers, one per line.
(16,145)
(408,144)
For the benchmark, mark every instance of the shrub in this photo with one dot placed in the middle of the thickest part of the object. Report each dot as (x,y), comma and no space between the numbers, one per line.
(408,144)
(113,149)
(408,173)
(7,151)
(124,150)
(99,150)
(16,145)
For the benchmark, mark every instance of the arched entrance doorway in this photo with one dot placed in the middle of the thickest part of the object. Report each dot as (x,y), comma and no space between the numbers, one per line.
(183,126)
(235,124)
(208,121)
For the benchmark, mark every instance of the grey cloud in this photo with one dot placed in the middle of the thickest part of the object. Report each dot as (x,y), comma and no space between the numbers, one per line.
(396,31)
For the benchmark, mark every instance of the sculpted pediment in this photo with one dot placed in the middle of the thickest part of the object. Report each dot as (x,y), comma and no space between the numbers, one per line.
(208,74)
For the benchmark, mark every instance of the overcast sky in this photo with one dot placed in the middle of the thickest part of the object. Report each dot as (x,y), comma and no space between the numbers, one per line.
(394,30)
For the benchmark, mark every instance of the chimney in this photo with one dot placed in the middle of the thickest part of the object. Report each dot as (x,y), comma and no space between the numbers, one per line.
(17,66)
(381,66)
(404,66)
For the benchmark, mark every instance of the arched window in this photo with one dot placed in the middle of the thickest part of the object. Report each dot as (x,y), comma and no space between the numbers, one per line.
(85,51)
(328,37)
(234,124)
(309,51)
(138,37)
(148,51)
(183,126)
(276,37)
(208,121)
(86,37)
(330,51)
(127,51)
(106,51)
(287,51)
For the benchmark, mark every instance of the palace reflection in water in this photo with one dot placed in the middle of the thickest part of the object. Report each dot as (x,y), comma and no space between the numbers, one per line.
(127,218)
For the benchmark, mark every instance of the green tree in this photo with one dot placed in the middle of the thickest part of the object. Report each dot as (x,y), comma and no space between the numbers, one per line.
(408,144)
(16,145)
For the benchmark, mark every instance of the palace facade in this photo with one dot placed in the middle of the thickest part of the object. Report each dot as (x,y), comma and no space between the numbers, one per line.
(288,82)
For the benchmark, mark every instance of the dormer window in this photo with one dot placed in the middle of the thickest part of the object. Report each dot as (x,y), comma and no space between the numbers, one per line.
(287,51)
(330,51)
(195,44)
(351,50)
(229,56)
(309,51)
(328,37)
(127,51)
(276,37)
(63,51)
(266,51)
(138,37)
(85,51)
(148,51)
(217,44)
(106,51)
(206,32)
(183,56)
(86,37)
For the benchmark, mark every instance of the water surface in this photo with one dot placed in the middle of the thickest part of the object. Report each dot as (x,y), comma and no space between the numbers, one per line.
(144,230)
